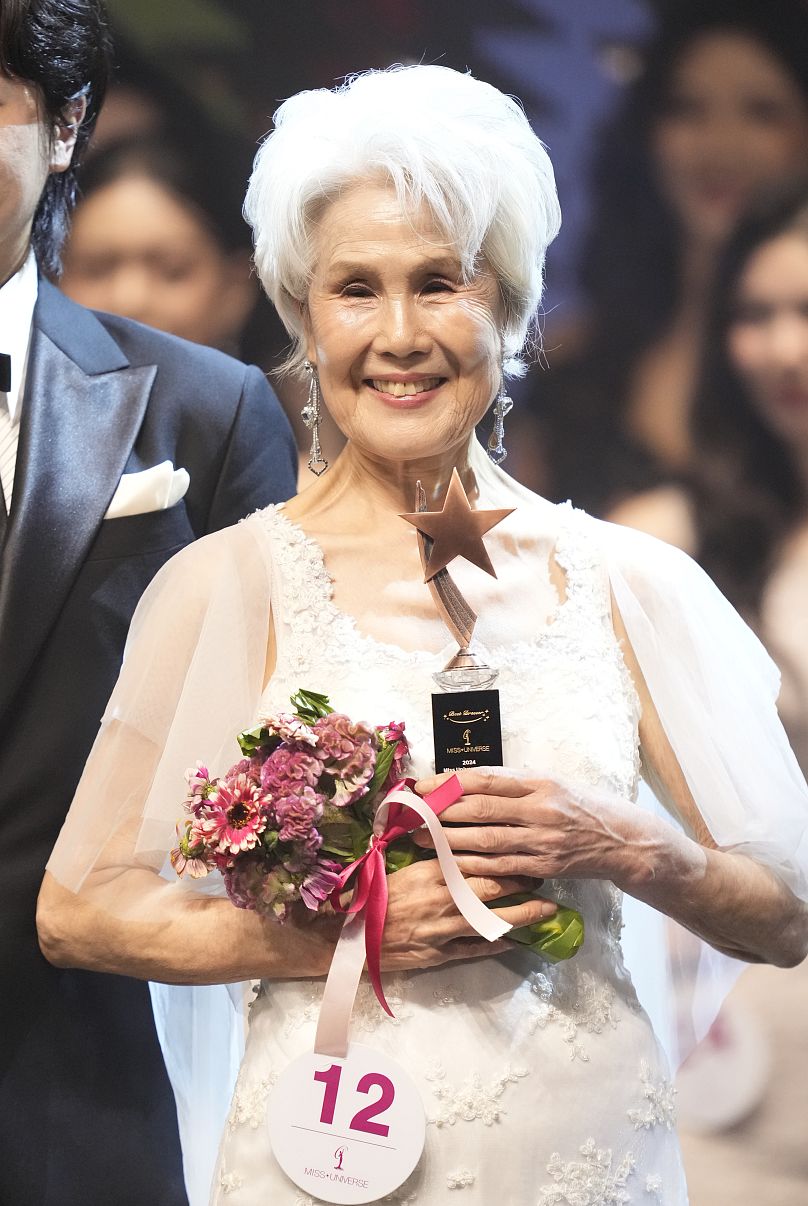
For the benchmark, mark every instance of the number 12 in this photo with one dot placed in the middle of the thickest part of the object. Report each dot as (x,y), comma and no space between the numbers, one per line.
(361,1120)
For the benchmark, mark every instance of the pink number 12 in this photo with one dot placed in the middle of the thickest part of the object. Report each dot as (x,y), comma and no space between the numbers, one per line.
(361,1120)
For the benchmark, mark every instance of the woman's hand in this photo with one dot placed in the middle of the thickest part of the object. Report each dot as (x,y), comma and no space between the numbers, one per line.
(423,927)
(509,823)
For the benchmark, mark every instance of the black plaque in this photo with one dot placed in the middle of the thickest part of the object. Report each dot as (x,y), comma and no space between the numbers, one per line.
(467,729)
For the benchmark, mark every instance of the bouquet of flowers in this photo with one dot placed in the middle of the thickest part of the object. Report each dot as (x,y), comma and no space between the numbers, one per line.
(286,819)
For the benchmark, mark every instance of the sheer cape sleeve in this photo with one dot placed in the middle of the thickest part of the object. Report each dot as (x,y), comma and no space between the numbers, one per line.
(191,680)
(715,689)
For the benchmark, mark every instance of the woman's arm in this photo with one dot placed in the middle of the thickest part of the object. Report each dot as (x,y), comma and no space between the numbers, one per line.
(518,825)
(136,924)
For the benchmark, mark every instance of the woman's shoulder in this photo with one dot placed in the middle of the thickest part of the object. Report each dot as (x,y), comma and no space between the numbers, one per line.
(235,555)
(646,558)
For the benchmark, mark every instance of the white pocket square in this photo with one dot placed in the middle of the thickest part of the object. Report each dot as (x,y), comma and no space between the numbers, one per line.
(154,489)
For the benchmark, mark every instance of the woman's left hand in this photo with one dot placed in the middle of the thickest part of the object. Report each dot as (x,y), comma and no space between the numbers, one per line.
(509,823)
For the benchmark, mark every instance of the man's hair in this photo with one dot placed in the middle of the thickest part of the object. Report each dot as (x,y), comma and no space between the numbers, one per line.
(63,49)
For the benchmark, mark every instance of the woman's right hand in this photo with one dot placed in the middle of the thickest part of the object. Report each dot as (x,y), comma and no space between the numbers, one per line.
(423,927)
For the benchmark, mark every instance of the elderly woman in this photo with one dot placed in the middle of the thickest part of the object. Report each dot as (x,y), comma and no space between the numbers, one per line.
(401,224)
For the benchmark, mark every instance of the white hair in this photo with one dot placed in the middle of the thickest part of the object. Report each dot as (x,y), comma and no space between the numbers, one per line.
(440,137)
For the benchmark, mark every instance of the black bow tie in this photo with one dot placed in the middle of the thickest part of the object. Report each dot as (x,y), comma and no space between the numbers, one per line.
(5,373)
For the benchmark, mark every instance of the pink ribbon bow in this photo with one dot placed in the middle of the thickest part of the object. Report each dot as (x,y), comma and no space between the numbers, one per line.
(371,876)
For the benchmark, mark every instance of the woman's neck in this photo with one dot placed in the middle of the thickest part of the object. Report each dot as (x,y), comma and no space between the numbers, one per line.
(380,487)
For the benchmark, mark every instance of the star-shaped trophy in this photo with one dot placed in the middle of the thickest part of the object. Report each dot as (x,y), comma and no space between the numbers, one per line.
(465,718)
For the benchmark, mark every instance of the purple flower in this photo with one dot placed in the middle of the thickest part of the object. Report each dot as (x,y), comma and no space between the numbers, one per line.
(298,814)
(348,753)
(289,767)
(318,886)
(251,883)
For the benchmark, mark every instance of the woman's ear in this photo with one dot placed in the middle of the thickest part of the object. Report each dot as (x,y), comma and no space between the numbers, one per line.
(64,134)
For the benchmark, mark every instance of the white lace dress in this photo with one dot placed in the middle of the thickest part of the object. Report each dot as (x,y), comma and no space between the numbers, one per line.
(541,1084)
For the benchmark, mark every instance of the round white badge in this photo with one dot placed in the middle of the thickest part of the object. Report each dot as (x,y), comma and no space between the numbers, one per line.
(346,1130)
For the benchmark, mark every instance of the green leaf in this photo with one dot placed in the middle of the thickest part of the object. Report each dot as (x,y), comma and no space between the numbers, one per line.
(310,706)
(251,741)
(337,833)
(555,938)
(360,836)
(384,760)
(401,854)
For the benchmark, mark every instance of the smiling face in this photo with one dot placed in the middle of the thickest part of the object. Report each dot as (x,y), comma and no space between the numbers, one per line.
(408,354)
(767,339)
(735,119)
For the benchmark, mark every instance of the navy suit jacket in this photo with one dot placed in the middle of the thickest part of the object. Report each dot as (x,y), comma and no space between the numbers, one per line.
(86,1113)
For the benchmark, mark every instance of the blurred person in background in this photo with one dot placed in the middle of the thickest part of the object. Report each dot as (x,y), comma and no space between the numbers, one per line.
(119,445)
(744,514)
(720,109)
(158,236)
(751,430)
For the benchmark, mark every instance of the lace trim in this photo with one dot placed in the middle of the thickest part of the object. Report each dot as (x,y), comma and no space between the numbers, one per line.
(596,1180)
(578,1002)
(305,581)
(587,662)
(473,1100)
(659,1107)
(367,1015)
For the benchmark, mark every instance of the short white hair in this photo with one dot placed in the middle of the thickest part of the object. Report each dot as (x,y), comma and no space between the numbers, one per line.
(440,137)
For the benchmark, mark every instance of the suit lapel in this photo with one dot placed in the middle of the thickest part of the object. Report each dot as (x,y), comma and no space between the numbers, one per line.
(83,407)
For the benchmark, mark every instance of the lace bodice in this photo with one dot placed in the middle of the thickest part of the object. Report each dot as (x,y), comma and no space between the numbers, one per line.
(573,657)
(530,1052)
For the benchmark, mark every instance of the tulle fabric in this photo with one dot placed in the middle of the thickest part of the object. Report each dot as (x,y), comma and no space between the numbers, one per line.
(192,678)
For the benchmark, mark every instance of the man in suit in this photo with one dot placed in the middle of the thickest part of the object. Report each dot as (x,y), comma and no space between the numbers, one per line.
(87,403)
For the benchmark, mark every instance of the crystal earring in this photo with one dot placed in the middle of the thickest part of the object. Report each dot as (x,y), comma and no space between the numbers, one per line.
(311,415)
(496,441)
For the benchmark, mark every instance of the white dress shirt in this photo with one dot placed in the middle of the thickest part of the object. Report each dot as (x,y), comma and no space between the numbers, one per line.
(17,300)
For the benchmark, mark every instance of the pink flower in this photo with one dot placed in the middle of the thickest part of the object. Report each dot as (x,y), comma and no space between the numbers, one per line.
(348,754)
(251,767)
(197,868)
(233,818)
(287,767)
(297,815)
(189,854)
(289,728)
(318,886)
(393,734)
(200,786)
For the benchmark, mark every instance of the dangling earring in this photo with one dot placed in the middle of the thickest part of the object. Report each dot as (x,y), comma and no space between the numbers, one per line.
(311,417)
(496,441)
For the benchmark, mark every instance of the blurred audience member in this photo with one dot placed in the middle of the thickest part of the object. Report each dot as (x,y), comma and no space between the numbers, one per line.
(744,513)
(158,236)
(750,426)
(721,108)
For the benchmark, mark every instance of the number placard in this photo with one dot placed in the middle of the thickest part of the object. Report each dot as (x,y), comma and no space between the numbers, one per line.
(346,1130)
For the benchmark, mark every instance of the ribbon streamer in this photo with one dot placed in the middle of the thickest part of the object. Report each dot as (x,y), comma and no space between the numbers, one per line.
(400,812)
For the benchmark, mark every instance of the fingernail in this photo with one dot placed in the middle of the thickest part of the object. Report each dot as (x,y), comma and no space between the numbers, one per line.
(548,908)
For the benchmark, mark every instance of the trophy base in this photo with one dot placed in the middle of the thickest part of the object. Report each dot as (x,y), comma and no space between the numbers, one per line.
(465,672)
